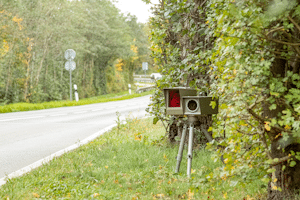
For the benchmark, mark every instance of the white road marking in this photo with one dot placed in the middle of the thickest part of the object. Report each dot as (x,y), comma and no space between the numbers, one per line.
(13,119)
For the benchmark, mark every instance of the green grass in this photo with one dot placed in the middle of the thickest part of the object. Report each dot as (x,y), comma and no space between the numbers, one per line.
(132,162)
(16,107)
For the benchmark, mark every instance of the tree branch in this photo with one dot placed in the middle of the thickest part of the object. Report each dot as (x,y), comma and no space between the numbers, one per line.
(280,160)
(262,120)
(275,29)
(264,142)
(282,42)
(256,102)
(293,21)
(203,3)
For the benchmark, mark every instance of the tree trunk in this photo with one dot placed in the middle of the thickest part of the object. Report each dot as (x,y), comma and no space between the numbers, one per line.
(130,72)
(287,178)
(102,77)
(100,80)
(41,66)
(8,82)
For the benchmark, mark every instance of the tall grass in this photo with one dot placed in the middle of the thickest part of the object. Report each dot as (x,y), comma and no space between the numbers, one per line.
(55,104)
(134,162)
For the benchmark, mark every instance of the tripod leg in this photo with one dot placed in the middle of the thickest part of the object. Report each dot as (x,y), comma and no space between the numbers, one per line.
(207,135)
(190,150)
(179,156)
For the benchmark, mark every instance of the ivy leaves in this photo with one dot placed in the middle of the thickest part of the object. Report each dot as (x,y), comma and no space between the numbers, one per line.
(250,66)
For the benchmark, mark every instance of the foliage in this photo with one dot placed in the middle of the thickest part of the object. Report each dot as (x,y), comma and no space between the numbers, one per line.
(132,163)
(15,49)
(37,33)
(252,67)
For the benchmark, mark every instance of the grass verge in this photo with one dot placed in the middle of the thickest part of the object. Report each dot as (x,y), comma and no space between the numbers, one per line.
(133,161)
(16,107)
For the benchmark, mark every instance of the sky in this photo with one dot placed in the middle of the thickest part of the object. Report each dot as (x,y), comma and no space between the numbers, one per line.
(136,7)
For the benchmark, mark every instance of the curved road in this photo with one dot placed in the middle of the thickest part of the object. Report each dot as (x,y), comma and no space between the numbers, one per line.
(27,137)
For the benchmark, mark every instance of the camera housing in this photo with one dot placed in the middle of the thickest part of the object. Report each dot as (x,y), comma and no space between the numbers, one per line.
(199,105)
(184,101)
(173,99)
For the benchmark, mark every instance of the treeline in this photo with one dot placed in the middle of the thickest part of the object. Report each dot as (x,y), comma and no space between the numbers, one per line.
(109,47)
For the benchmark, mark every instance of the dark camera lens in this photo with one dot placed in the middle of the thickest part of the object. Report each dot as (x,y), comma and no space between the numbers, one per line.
(192,105)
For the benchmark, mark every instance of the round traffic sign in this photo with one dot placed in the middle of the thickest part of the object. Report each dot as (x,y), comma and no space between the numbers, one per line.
(70,54)
(70,65)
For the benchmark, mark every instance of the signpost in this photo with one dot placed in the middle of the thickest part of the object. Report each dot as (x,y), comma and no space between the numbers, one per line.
(145,66)
(70,65)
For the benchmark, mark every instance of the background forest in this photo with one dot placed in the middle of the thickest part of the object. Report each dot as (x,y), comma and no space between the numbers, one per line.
(109,47)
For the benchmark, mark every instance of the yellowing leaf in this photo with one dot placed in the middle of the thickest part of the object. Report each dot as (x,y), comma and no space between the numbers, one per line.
(274,187)
(106,167)
(225,195)
(96,194)
(274,180)
(249,198)
(134,48)
(278,135)
(190,194)
(267,127)
(35,195)
(119,65)
(139,137)
(18,20)
(287,127)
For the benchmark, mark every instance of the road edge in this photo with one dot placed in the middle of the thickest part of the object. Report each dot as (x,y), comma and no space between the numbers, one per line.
(57,154)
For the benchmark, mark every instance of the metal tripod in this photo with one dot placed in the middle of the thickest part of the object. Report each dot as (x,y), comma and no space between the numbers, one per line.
(191,121)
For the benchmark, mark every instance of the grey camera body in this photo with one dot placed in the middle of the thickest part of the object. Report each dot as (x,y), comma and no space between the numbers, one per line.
(179,92)
(199,105)
(181,101)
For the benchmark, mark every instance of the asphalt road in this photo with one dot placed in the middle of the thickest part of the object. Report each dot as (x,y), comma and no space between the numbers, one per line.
(26,137)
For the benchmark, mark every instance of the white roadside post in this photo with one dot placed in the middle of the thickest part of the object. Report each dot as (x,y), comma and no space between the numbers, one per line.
(129,86)
(70,65)
(145,67)
(76,93)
